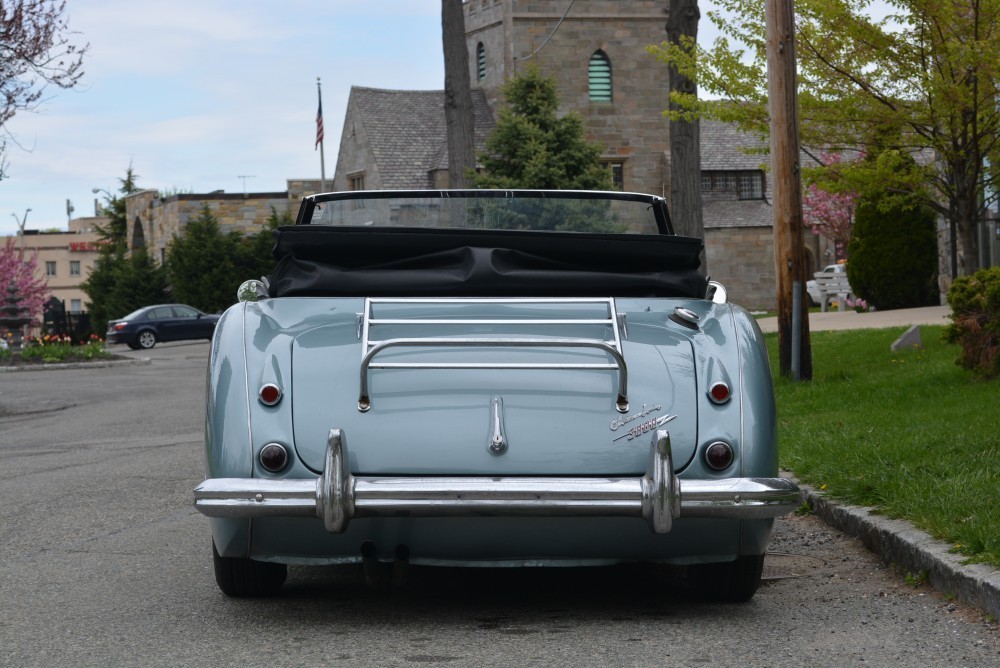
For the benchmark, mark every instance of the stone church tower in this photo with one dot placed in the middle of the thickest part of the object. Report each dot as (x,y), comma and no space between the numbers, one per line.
(596,52)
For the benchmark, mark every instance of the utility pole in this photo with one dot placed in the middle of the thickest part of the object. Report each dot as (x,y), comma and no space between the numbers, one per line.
(794,347)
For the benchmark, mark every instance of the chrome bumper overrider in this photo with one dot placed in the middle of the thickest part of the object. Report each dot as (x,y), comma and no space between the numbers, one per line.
(338,497)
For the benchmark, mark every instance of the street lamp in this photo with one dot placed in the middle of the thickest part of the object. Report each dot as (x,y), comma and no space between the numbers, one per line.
(97,207)
(20,226)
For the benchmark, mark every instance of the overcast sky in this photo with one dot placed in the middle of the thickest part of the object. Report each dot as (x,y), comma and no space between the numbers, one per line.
(196,93)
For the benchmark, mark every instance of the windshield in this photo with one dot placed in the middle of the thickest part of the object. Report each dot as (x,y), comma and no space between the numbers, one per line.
(551,211)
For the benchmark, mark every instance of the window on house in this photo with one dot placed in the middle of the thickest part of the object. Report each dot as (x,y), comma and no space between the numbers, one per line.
(733,185)
(617,169)
(75,306)
(74,267)
(599,77)
(356,182)
(50,268)
(751,185)
(481,61)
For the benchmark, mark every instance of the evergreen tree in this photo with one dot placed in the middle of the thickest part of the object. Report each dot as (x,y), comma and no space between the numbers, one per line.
(893,255)
(201,266)
(101,284)
(100,287)
(139,281)
(532,147)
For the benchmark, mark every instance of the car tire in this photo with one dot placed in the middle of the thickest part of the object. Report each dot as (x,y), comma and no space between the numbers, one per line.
(146,339)
(245,578)
(732,581)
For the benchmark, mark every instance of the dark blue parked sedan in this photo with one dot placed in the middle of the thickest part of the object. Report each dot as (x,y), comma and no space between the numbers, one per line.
(161,322)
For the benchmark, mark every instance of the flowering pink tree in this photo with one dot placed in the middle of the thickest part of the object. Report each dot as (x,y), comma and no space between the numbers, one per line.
(32,291)
(830,213)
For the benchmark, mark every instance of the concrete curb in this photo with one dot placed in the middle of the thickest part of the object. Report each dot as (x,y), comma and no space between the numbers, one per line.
(899,542)
(97,364)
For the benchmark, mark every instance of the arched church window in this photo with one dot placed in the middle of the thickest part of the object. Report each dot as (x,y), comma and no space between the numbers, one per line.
(138,236)
(599,77)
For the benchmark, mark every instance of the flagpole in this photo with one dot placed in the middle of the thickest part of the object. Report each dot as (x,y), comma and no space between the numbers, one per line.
(319,138)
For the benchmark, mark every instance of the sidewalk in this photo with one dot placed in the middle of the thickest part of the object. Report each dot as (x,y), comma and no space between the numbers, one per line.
(837,320)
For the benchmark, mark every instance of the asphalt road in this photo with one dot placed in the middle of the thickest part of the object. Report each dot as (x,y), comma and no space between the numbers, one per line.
(104,562)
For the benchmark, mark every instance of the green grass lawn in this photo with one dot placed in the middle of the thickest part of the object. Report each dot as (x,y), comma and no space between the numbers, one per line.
(909,433)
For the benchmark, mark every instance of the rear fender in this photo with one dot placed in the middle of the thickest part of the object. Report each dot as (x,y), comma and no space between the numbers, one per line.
(227,417)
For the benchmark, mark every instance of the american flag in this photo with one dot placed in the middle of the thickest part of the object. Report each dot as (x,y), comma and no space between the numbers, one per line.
(319,125)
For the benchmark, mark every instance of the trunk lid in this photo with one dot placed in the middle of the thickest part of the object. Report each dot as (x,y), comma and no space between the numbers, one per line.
(491,387)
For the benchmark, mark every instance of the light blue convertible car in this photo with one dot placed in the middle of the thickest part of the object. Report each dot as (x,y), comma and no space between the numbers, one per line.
(489,378)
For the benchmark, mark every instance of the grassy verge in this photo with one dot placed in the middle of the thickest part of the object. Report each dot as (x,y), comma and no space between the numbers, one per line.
(909,433)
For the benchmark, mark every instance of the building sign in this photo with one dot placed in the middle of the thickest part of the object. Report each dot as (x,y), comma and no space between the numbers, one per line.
(83,246)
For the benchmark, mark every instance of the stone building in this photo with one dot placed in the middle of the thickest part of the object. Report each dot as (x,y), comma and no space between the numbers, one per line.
(155,219)
(397,140)
(596,52)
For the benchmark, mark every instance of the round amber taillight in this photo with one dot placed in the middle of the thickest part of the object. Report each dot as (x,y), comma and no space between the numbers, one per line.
(273,457)
(719,393)
(719,455)
(270,394)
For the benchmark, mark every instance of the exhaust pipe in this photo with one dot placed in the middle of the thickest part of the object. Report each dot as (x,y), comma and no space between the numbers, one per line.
(369,560)
(401,565)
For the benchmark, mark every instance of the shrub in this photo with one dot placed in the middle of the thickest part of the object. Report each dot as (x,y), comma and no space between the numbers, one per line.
(893,256)
(975,314)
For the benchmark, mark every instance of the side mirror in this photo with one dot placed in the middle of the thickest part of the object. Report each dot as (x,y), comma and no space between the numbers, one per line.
(251,291)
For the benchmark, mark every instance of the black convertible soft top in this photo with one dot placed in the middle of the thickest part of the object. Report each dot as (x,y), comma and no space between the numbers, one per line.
(340,261)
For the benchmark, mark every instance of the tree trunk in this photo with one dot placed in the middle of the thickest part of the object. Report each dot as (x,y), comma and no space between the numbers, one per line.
(965,212)
(458,113)
(685,136)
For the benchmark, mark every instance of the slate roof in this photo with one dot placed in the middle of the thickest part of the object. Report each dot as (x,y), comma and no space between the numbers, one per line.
(725,147)
(407,133)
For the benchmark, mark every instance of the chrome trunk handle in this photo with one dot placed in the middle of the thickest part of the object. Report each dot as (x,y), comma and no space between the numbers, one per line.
(621,401)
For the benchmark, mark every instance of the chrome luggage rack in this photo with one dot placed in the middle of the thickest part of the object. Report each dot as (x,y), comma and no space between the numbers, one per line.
(611,345)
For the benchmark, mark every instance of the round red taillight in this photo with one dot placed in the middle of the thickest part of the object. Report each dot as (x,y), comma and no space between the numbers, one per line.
(270,394)
(719,393)
(273,457)
(719,455)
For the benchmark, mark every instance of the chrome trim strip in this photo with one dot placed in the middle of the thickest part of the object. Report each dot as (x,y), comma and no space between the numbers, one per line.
(498,440)
(621,401)
(658,496)
(495,321)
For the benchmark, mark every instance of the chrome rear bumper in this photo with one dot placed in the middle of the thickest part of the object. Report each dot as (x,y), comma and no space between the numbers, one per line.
(337,497)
